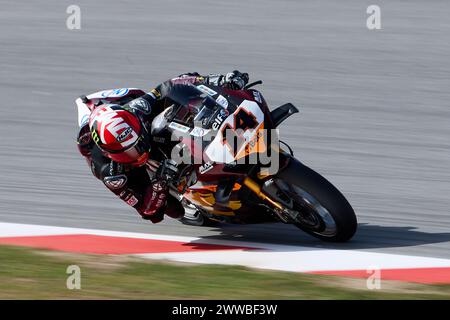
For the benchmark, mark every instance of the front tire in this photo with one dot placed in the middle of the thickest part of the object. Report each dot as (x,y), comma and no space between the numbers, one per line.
(325,212)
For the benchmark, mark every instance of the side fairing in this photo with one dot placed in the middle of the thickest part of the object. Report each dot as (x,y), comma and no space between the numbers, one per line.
(236,132)
(83,112)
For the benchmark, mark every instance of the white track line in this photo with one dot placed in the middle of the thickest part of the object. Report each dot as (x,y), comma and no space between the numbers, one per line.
(304,260)
(265,256)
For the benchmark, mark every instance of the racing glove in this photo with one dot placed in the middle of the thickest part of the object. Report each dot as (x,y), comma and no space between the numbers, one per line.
(236,80)
(155,196)
(154,200)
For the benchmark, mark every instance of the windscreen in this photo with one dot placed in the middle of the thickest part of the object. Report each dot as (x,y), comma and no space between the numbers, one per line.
(193,107)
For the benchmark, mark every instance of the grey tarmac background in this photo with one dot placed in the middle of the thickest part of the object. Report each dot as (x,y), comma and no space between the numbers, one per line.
(375,116)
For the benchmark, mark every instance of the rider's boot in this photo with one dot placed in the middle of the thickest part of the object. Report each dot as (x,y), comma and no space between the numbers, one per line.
(192,216)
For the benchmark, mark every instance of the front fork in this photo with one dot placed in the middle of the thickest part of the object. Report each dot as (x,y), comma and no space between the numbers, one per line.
(281,212)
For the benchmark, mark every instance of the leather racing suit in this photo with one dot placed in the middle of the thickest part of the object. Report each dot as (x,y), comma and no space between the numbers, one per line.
(133,184)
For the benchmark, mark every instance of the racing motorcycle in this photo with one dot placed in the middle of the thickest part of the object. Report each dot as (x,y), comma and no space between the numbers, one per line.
(220,130)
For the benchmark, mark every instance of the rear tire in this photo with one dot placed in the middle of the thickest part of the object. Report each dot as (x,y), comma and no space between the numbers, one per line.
(323,194)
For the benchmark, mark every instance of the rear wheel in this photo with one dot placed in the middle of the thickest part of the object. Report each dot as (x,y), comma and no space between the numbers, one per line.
(318,207)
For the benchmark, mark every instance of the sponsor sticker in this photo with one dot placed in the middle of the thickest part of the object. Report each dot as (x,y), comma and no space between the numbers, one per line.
(125,133)
(206,90)
(199,132)
(179,127)
(220,118)
(257,96)
(132,201)
(205,167)
(115,93)
(222,101)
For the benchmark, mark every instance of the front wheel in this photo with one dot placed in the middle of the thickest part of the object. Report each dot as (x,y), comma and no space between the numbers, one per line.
(317,206)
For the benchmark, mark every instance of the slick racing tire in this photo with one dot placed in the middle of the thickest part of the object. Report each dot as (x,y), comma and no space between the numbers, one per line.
(323,211)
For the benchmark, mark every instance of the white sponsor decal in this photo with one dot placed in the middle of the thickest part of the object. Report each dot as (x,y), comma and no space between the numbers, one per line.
(205,167)
(110,93)
(114,93)
(223,114)
(257,96)
(178,127)
(199,132)
(206,90)
(222,101)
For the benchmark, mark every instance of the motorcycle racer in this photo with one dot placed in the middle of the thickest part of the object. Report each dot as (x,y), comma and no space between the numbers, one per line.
(117,145)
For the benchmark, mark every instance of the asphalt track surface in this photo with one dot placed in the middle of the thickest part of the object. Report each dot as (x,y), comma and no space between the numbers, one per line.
(375,105)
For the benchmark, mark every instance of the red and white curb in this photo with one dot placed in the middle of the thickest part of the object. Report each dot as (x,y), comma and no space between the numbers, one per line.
(352,263)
